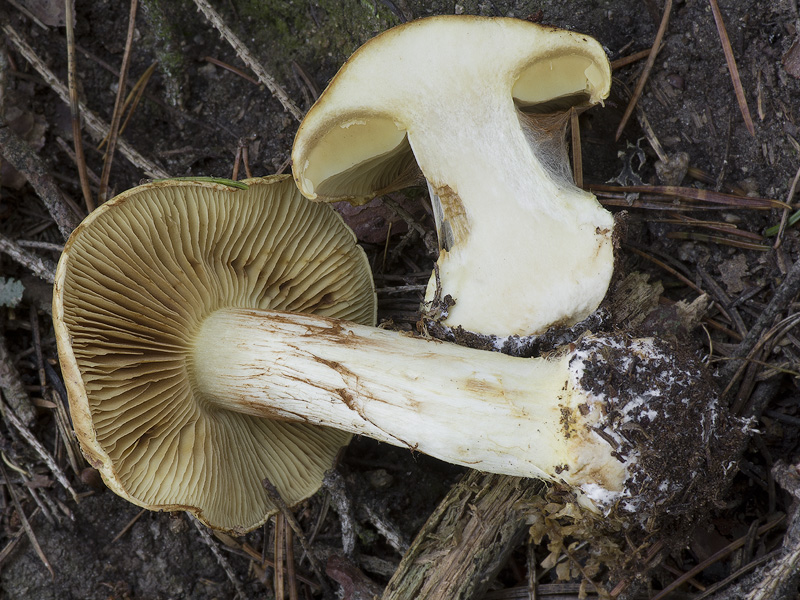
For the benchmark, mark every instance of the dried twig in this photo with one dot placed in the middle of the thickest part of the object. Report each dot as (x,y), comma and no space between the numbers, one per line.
(737,574)
(4,67)
(648,66)
(71,153)
(685,280)
(717,556)
(276,499)
(719,226)
(387,529)
(231,68)
(15,538)
(37,345)
(16,423)
(716,239)
(689,193)
(785,216)
(290,568)
(135,96)
(334,484)
(128,527)
(250,60)
(74,108)
(223,562)
(246,161)
(25,524)
(466,540)
(279,544)
(41,267)
(779,302)
(751,362)
(258,558)
(427,236)
(116,117)
(96,127)
(630,59)
(74,455)
(734,71)
(19,155)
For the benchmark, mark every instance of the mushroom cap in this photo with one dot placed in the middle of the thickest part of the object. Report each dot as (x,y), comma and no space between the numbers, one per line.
(135,281)
(353,144)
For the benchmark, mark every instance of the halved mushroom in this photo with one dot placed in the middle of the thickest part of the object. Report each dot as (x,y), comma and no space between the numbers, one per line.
(480,105)
(186,390)
(137,280)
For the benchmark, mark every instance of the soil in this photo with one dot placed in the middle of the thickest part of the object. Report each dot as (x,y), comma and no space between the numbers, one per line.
(196,116)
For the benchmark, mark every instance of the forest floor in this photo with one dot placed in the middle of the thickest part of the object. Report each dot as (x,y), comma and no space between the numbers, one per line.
(204,114)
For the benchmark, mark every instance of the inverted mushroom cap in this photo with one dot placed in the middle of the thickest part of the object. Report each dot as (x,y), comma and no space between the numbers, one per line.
(478,106)
(135,282)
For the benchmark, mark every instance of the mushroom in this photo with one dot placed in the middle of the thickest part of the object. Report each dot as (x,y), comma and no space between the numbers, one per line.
(187,386)
(619,420)
(136,282)
(480,105)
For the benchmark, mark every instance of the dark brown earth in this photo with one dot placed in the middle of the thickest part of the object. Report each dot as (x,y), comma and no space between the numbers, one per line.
(194,119)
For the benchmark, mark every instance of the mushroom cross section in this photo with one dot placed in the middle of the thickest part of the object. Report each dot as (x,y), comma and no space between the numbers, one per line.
(137,280)
(480,106)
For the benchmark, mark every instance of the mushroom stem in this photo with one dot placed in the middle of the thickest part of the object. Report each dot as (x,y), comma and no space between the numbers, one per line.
(507,212)
(527,417)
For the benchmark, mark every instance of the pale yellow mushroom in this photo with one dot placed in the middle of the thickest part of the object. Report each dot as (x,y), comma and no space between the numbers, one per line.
(479,106)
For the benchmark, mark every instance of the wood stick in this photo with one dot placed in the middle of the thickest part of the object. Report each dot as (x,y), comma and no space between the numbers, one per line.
(276,499)
(290,568)
(466,540)
(278,580)
(630,59)
(732,68)
(74,108)
(223,562)
(13,420)
(116,117)
(20,156)
(648,66)
(780,301)
(25,524)
(41,267)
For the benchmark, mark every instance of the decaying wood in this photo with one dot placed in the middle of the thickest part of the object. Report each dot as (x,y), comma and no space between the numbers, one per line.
(466,541)
(41,267)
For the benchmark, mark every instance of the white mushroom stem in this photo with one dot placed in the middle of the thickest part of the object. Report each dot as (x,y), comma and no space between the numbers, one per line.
(488,411)
(523,248)
(503,218)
